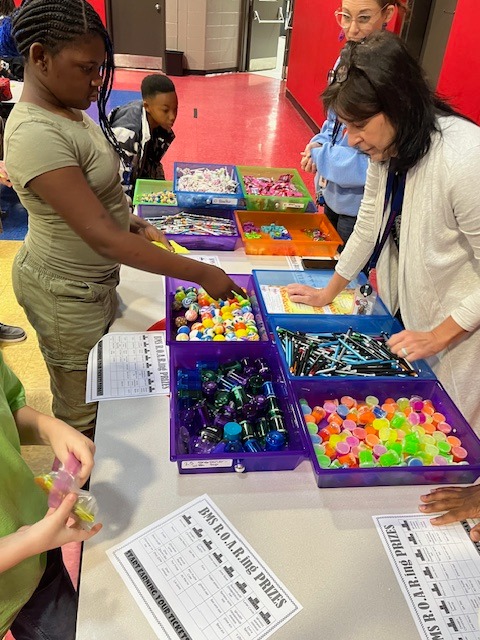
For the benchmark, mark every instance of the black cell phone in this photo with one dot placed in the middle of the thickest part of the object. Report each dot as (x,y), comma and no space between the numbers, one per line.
(320,263)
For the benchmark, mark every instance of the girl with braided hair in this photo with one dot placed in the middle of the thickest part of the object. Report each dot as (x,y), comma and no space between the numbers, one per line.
(65,171)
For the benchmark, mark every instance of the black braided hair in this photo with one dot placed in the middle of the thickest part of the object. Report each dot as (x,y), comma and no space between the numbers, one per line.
(7,7)
(55,23)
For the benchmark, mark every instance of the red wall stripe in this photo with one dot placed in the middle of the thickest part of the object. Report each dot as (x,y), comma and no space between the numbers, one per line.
(460,76)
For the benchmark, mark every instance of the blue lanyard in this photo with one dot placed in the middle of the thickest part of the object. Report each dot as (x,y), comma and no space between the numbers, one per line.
(395,190)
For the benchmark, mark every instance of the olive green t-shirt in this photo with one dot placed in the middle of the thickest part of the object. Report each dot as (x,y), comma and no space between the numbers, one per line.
(38,141)
(21,501)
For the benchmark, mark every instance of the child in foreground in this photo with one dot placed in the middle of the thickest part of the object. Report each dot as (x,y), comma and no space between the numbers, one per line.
(38,598)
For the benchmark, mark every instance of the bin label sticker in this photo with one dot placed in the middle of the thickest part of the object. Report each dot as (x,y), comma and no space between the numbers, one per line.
(232,201)
(206,464)
(293,205)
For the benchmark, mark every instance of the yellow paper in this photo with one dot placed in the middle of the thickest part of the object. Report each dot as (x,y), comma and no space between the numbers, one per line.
(177,248)
(342,304)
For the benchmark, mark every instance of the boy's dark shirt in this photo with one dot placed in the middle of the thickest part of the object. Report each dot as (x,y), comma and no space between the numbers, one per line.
(154,150)
(137,162)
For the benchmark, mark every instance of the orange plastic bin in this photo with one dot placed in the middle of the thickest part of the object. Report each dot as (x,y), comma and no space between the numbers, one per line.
(301,243)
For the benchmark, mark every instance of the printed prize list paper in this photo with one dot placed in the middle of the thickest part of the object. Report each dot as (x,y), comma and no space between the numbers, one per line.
(438,569)
(128,365)
(196,578)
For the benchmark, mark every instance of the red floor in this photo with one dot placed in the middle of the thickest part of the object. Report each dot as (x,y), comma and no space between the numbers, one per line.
(242,118)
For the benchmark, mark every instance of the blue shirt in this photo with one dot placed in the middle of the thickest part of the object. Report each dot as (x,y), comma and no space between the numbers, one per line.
(343,167)
(8,48)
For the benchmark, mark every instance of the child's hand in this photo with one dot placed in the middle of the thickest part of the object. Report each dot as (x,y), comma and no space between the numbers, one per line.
(306,162)
(148,231)
(4,179)
(64,440)
(153,234)
(57,528)
(54,530)
(217,284)
(459,503)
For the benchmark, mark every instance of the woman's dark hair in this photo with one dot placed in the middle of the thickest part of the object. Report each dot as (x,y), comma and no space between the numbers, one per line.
(7,7)
(156,83)
(378,75)
(57,23)
(402,5)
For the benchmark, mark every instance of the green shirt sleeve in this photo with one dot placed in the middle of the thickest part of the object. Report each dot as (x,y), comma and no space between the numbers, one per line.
(12,387)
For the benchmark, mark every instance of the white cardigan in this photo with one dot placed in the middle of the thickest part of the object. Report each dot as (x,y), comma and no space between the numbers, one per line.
(436,271)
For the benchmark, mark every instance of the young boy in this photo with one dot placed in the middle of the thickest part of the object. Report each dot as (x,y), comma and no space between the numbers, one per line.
(143,129)
(37,597)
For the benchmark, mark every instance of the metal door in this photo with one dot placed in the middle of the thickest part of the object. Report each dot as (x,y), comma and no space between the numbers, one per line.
(438,32)
(288,26)
(138,31)
(265,19)
(415,28)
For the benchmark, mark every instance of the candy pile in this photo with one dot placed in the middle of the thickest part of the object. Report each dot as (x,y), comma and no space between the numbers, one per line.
(205,180)
(229,408)
(207,319)
(403,432)
(164,197)
(188,224)
(275,231)
(282,187)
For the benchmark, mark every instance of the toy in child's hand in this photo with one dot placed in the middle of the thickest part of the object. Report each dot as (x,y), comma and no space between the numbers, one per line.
(62,481)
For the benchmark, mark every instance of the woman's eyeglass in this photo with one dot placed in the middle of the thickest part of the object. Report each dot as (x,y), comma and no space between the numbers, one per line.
(363,21)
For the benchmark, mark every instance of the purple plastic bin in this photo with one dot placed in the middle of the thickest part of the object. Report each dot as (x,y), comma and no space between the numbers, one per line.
(244,281)
(317,391)
(195,242)
(227,462)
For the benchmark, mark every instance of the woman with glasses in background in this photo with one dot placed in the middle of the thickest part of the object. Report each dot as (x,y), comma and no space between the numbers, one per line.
(340,170)
(419,221)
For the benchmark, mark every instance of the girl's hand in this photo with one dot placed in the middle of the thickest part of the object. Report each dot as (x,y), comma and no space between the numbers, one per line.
(415,345)
(304,294)
(4,179)
(217,283)
(458,502)
(148,231)
(306,162)
(56,529)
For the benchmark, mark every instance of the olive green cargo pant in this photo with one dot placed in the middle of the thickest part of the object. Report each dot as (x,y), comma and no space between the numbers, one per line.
(70,317)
